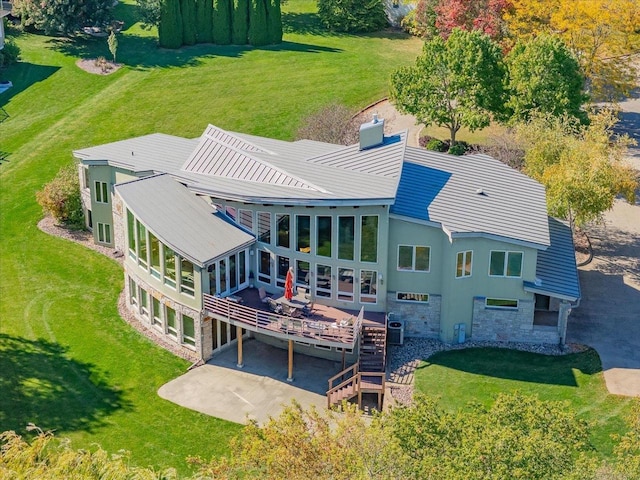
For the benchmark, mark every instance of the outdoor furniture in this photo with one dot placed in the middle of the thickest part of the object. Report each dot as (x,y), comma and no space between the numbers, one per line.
(290,311)
(274,306)
(295,302)
(263,295)
(235,299)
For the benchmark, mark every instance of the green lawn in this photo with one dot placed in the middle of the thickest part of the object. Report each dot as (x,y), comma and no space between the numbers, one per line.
(67,361)
(479,374)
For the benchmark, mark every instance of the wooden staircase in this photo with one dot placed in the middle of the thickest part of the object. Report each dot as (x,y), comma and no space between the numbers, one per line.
(365,376)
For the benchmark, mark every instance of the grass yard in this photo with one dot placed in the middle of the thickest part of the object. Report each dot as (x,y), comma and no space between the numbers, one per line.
(67,361)
(479,374)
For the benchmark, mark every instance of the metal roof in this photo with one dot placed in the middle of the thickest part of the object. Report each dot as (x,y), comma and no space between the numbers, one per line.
(472,195)
(185,222)
(556,266)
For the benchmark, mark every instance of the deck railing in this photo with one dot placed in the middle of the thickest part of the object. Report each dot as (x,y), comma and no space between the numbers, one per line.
(268,323)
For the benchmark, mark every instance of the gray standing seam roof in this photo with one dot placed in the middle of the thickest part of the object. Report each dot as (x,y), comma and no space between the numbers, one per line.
(183,221)
(556,266)
(472,194)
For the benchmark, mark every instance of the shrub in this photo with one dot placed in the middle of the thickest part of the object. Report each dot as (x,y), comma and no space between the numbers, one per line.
(424,140)
(332,124)
(437,145)
(352,15)
(458,148)
(63,16)
(60,198)
(10,54)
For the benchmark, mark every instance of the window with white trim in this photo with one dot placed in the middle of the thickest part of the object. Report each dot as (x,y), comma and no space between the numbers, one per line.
(345,284)
(505,264)
(187,284)
(463,264)
(142,244)
(157,312)
(283,264)
(102,192)
(154,251)
(264,227)
(323,281)
(412,297)
(369,238)
(245,218)
(414,258)
(131,233)
(368,286)
(324,234)
(188,330)
(264,266)
(104,233)
(346,237)
(133,292)
(302,273)
(303,233)
(169,267)
(144,303)
(501,303)
(171,322)
(283,228)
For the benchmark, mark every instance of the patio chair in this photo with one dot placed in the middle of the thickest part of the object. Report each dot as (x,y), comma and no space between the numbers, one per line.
(264,298)
(274,306)
(290,311)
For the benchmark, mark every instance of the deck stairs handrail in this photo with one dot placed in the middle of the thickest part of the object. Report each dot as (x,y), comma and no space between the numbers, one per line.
(355,384)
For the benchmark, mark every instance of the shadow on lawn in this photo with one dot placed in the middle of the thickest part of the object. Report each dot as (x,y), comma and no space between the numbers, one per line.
(143,52)
(39,383)
(517,365)
(23,75)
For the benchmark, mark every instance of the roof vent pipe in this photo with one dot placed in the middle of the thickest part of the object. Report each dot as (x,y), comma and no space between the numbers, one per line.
(372,133)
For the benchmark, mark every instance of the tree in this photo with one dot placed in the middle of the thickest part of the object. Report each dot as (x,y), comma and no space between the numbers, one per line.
(60,198)
(204,21)
(274,21)
(63,16)
(421,20)
(331,124)
(454,83)
(189,21)
(239,35)
(112,42)
(581,166)
(482,15)
(149,12)
(352,15)
(222,22)
(258,33)
(170,28)
(602,34)
(544,76)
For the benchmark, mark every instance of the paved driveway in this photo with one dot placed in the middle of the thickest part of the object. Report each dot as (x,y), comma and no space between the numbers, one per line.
(609,315)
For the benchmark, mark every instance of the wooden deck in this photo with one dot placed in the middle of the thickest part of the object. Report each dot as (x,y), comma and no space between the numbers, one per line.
(328,326)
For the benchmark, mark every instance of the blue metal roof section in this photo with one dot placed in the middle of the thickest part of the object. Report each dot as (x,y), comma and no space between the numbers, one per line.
(419,186)
(556,271)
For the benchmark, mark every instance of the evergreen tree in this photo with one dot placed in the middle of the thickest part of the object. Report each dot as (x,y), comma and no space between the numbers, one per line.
(240,22)
(204,21)
(274,21)
(188,8)
(170,28)
(258,33)
(222,22)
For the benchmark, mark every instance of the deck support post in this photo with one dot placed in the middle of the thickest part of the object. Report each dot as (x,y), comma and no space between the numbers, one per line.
(344,350)
(239,337)
(290,371)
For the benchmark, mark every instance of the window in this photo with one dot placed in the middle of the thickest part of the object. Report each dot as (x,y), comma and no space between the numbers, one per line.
(133,292)
(501,303)
(157,312)
(142,244)
(144,303)
(242,273)
(505,264)
(345,284)
(231,212)
(413,258)
(323,281)
(85,177)
(131,233)
(154,247)
(302,273)
(233,273)
(264,227)
(89,219)
(283,224)
(463,264)
(223,275)
(102,192)
(303,233)
(264,267)
(186,277)
(368,286)
(188,330)
(369,239)
(283,268)
(245,218)
(169,267)
(323,239)
(171,322)
(412,297)
(213,287)
(104,233)
(346,237)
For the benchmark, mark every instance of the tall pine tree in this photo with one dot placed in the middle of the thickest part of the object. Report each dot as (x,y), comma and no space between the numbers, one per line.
(170,29)
(240,32)
(188,8)
(204,21)
(274,21)
(258,32)
(222,22)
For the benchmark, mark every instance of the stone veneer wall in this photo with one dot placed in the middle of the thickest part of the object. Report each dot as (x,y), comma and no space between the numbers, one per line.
(178,307)
(420,319)
(119,222)
(509,325)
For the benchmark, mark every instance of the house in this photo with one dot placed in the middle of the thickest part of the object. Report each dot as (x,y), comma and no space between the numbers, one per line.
(455,247)
(5,11)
